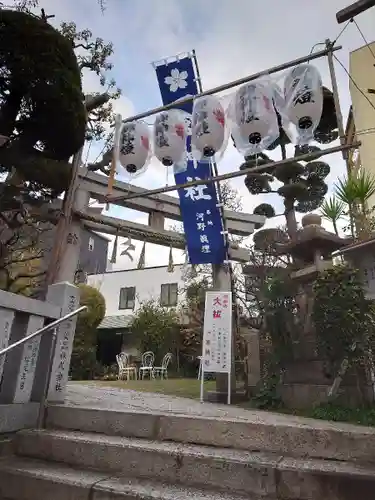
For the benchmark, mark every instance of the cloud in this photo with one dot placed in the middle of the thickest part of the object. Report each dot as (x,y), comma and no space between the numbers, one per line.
(231,39)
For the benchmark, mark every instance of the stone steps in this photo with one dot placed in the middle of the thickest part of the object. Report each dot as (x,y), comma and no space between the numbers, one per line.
(254,431)
(99,454)
(260,475)
(36,480)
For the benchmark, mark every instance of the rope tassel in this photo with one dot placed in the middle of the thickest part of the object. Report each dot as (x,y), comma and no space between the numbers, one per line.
(170,262)
(142,257)
(114,250)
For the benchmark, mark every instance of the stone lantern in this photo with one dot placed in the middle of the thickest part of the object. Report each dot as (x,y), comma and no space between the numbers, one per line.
(311,249)
(306,381)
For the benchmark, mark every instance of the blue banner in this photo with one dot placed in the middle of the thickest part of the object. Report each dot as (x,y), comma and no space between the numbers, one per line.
(200,214)
(177,80)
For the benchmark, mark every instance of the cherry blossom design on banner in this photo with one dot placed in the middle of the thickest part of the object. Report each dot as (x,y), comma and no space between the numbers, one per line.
(176,80)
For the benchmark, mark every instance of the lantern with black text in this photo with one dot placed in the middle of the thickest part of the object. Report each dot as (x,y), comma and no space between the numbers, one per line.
(254,118)
(134,147)
(208,129)
(303,93)
(169,137)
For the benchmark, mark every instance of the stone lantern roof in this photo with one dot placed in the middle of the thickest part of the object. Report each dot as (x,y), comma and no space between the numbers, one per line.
(312,241)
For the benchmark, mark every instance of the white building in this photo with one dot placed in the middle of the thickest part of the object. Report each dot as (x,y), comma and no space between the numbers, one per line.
(124,291)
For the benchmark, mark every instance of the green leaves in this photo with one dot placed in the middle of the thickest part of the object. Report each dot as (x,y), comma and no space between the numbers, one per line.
(265,209)
(258,183)
(356,189)
(89,320)
(83,361)
(355,192)
(341,315)
(156,328)
(332,210)
(319,169)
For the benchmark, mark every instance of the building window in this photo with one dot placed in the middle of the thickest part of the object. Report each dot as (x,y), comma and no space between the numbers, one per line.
(127,298)
(168,295)
(91,244)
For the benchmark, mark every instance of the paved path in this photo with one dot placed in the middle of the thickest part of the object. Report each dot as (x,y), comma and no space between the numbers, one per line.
(109,398)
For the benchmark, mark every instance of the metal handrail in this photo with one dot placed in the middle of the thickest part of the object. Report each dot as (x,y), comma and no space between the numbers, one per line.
(42,330)
(51,326)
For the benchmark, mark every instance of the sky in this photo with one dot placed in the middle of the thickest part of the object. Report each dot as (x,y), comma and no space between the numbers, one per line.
(232,39)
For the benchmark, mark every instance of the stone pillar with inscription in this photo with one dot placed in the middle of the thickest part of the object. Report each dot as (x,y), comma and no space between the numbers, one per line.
(30,351)
(6,321)
(66,296)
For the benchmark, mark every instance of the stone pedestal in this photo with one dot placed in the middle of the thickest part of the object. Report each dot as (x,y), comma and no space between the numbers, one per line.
(306,381)
(221,397)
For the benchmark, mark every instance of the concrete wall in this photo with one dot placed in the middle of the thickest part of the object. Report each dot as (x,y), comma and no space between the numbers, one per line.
(147,283)
(90,261)
(362,70)
(364,260)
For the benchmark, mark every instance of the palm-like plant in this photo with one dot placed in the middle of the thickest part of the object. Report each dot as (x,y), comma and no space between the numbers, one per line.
(355,191)
(332,210)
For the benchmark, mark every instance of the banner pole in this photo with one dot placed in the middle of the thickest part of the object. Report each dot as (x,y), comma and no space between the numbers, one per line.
(222,277)
(232,367)
(202,385)
(229,385)
(237,173)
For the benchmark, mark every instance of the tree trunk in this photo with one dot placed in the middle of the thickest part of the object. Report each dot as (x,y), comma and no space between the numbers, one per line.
(335,227)
(290,217)
(290,214)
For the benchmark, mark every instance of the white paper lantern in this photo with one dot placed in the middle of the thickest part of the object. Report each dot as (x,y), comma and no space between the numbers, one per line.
(255,121)
(134,147)
(208,126)
(303,94)
(169,137)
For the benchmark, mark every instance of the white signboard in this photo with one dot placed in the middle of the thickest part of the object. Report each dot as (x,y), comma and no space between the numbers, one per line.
(217,336)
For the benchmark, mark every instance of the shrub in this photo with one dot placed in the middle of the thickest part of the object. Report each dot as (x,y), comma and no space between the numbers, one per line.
(83,363)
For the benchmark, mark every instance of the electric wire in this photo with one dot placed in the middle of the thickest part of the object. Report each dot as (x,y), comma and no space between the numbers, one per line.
(341,32)
(368,45)
(354,82)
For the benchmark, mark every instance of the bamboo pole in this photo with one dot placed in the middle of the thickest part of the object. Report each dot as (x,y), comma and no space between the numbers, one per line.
(237,173)
(353,10)
(235,83)
(336,99)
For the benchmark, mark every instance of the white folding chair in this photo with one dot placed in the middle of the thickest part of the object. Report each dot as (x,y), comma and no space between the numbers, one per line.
(147,367)
(162,370)
(124,370)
